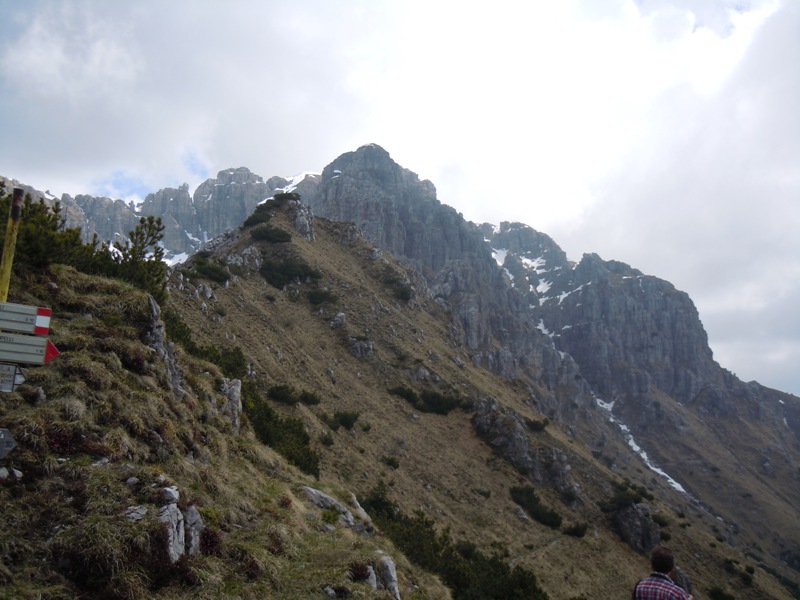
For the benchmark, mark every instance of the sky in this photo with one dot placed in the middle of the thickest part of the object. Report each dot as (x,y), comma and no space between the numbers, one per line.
(664,134)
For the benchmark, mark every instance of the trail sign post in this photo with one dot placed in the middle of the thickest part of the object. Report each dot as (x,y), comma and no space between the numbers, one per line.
(25,319)
(7,442)
(26,349)
(10,377)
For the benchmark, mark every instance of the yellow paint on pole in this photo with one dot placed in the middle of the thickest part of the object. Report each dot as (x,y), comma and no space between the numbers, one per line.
(11,242)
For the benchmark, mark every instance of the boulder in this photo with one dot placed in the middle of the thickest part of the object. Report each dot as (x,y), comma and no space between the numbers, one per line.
(387,576)
(636,527)
(193,528)
(325,502)
(232,389)
(172,517)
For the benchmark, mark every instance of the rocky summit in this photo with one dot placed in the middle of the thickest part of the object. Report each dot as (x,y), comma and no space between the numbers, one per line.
(351,391)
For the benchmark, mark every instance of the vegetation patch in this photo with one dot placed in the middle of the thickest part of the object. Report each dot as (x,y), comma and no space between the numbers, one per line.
(280,273)
(260,215)
(428,401)
(526,497)
(470,574)
(340,419)
(626,494)
(231,361)
(537,424)
(577,530)
(286,394)
(287,436)
(273,235)
(200,267)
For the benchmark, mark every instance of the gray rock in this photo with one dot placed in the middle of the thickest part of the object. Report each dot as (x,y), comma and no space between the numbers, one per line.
(193,529)
(680,577)
(636,527)
(372,578)
(135,513)
(338,320)
(361,348)
(322,500)
(173,518)
(171,494)
(232,389)
(387,576)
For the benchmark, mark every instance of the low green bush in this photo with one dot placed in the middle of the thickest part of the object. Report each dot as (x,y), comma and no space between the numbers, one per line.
(287,436)
(316,297)
(280,273)
(428,401)
(526,497)
(260,215)
(274,235)
(470,574)
(577,530)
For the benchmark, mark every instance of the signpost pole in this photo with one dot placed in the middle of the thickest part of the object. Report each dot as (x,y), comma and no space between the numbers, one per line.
(11,242)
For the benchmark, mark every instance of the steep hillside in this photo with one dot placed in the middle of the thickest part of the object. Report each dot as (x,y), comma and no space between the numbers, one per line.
(641,346)
(363,326)
(458,372)
(120,442)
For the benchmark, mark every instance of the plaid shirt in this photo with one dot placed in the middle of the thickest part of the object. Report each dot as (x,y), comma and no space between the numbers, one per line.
(658,587)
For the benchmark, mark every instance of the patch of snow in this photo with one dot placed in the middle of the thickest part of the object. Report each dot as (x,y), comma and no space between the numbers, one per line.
(537,264)
(191,237)
(566,327)
(510,276)
(785,422)
(544,286)
(499,255)
(608,406)
(295,181)
(177,259)
(541,327)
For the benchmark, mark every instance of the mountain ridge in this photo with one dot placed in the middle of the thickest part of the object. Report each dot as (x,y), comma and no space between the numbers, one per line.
(581,344)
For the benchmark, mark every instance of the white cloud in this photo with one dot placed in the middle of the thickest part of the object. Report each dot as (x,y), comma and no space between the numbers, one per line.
(661,133)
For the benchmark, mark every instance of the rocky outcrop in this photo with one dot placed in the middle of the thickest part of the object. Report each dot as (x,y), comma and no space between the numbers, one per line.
(325,502)
(183,231)
(232,410)
(507,433)
(223,203)
(156,339)
(172,518)
(387,576)
(400,214)
(111,219)
(636,527)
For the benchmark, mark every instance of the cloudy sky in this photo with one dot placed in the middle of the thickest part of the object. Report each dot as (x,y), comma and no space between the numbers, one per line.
(665,134)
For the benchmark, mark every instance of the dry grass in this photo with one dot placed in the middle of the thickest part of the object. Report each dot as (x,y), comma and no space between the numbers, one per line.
(107,398)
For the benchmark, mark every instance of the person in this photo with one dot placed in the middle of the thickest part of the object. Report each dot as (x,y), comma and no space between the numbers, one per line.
(659,586)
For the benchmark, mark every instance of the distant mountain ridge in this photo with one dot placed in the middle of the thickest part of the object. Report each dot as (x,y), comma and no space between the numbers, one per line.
(590,341)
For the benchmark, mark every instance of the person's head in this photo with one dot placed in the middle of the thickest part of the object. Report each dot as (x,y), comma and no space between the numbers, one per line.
(662,560)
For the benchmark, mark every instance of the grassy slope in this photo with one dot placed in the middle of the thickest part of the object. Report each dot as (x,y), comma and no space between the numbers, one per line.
(64,528)
(445,470)
(65,519)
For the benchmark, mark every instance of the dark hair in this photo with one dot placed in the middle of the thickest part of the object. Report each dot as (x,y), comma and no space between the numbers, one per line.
(662,560)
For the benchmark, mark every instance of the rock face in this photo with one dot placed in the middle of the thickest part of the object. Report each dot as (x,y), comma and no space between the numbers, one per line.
(217,205)
(172,517)
(223,203)
(182,228)
(507,433)
(637,528)
(400,214)
(232,389)
(111,219)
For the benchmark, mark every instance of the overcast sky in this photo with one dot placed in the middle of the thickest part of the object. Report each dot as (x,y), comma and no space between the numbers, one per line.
(665,134)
